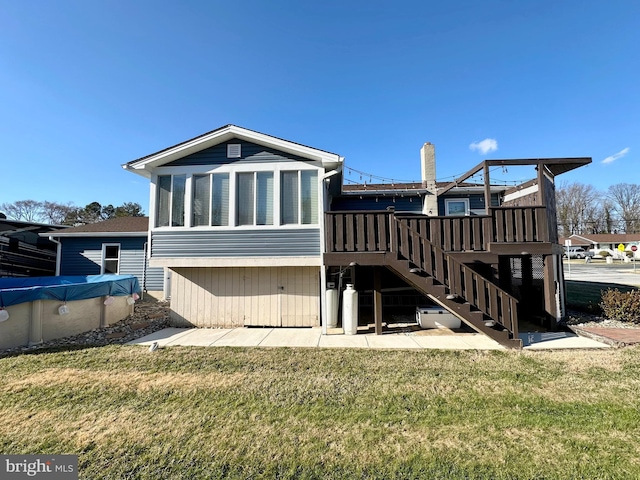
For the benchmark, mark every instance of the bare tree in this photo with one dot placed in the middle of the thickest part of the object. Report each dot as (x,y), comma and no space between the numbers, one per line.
(578,209)
(625,198)
(56,213)
(23,210)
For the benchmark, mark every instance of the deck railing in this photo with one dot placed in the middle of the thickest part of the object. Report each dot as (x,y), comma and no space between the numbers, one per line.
(356,231)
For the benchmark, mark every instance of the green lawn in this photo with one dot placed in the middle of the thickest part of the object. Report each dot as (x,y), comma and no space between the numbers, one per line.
(187,413)
(586,296)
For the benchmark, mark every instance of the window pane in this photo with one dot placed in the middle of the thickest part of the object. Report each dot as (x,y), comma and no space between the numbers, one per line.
(289,197)
(201,200)
(162,201)
(220,200)
(309,193)
(264,198)
(245,198)
(111,251)
(111,266)
(177,201)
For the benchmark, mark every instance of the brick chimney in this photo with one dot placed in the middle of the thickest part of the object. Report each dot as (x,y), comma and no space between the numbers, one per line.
(428,164)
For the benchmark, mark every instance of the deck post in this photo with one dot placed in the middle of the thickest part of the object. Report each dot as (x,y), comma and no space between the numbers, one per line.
(487,189)
(377,300)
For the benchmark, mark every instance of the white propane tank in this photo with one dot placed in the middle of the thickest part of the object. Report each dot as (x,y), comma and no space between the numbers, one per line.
(350,310)
(332,308)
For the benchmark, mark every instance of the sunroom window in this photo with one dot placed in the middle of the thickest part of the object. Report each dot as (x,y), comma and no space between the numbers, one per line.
(170,200)
(254,195)
(210,200)
(299,197)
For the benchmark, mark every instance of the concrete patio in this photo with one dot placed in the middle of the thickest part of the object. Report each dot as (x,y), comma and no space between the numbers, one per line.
(442,339)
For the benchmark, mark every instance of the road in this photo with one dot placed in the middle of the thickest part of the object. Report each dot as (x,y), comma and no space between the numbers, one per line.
(622,273)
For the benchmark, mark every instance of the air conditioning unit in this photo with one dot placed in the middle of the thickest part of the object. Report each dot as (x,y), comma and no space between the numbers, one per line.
(436,317)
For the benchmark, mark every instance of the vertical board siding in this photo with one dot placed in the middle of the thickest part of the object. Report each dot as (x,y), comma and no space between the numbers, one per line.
(246,296)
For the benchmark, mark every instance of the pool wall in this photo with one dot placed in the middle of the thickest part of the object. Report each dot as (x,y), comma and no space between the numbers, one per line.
(39,320)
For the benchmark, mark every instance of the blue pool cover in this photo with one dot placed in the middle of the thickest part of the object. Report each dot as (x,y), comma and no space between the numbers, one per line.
(65,289)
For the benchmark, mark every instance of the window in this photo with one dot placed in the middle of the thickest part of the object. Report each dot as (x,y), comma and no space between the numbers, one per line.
(170,200)
(220,200)
(254,195)
(244,200)
(299,197)
(289,198)
(309,196)
(456,206)
(210,197)
(201,203)
(110,258)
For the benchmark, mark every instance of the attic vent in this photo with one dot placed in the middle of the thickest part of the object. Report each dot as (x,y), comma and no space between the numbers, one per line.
(233,150)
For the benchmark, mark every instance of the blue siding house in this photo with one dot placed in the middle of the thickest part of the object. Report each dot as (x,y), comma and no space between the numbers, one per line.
(260,231)
(117,245)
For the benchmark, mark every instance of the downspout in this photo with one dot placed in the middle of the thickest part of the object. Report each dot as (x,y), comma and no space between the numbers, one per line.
(144,271)
(58,254)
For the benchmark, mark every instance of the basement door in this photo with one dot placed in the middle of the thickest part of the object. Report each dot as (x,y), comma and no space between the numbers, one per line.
(282,296)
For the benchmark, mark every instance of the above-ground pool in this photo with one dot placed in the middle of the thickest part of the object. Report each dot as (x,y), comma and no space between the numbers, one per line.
(37,309)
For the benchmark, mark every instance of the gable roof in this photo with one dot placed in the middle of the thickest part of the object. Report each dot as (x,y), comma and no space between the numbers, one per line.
(609,237)
(143,166)
(114,227)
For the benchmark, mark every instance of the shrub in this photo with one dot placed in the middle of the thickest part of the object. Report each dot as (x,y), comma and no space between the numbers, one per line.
(604,253)
(622,306)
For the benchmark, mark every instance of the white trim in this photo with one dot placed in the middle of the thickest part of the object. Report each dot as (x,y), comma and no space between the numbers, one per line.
(103,259)
(177,262)
(521,193)
(101,234)
(146,165)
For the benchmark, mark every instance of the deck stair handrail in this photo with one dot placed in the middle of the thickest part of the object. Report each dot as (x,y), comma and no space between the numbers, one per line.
(460,280)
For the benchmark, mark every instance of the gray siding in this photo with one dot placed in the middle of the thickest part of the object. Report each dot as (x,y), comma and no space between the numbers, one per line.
(236,243)
(251,153)
(83,256)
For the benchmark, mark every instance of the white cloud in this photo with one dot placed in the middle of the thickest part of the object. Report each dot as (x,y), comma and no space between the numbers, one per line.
(485,146)
(616,156)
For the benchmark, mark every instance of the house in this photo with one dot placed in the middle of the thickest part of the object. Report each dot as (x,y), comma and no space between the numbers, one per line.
(25,249)
(254,228)
(609,242)
(117,245)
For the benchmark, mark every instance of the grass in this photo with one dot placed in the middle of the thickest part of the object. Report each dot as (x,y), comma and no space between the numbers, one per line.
(311,413)
(586,296)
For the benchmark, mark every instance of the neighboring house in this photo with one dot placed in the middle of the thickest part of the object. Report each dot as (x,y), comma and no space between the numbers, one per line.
(25,250)
(254,228)
(117,245)
(598,242)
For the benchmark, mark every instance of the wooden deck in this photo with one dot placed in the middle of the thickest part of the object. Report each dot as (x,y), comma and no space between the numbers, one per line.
(425,251)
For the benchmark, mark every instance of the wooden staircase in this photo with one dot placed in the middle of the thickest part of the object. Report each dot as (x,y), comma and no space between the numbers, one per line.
(377,238)
(474,299)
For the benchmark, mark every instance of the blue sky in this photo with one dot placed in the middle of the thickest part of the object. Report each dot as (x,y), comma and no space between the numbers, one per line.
(88,85)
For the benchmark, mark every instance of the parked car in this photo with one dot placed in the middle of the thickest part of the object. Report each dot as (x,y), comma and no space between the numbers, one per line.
(577,252)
